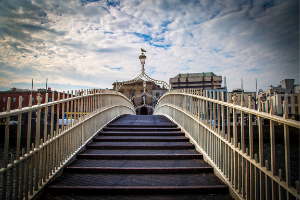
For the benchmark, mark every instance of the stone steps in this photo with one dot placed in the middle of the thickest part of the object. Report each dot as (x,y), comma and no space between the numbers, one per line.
(130,159)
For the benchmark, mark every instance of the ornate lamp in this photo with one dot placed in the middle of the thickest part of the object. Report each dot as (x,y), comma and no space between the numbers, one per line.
(142,58)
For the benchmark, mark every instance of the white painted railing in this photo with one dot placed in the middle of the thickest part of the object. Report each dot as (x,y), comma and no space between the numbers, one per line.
(26,172)
(247,174)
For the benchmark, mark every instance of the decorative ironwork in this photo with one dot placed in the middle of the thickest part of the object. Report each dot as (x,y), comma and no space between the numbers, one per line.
(142,57)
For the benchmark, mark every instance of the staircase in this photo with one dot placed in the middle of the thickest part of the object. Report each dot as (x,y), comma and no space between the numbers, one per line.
(139,157)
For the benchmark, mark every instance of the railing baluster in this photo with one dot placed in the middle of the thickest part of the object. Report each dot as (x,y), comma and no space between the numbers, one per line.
(11,178)
(239,171)
(232,159)
(280,193)
(71,110)
(215,116)
(52,117)
(235,136)
(287,151)
(251,192)
(6,144)
(228,120)
(247,180)
(244,174)
(22,175)
(261,151)
(57,112)
(37,144)
(31,170)
(68,111)
(256,179)
(46,118)
(210,111)
(29,126)
(18,149)
(267,187)
(273,155)
(41,152)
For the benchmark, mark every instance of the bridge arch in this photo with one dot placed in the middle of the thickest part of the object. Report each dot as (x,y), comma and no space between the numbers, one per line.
(144,110)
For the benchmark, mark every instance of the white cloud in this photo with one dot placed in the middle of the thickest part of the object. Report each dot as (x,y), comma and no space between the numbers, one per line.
(92,44)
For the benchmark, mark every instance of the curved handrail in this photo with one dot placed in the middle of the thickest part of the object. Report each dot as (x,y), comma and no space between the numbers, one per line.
(193,111)
(58,144)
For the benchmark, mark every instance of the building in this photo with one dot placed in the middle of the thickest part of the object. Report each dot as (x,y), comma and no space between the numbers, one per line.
(243,96)
(204,81)
(286,91)
(15,94)
(135,90)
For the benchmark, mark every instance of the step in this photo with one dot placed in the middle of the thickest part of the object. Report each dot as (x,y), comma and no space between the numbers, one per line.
(152,133)
(222,196)
(140,145)
(142,129)
(142,126)
(141,139)
(140,154)
(138,183)
(138,166)
(142,120)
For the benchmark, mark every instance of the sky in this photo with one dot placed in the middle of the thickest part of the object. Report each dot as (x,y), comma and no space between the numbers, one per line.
(82,44)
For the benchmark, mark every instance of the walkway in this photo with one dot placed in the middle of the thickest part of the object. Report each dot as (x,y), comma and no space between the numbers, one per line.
(139,157)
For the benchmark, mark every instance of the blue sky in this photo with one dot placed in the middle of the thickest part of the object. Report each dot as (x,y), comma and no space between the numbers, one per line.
(92,43)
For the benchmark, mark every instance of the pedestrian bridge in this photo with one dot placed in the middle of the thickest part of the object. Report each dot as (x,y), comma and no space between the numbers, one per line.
(189,125)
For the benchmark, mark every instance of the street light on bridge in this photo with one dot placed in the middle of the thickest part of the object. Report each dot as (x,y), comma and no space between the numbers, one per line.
(142,58)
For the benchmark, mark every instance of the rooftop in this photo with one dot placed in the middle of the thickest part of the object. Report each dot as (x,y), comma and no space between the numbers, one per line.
(195,75)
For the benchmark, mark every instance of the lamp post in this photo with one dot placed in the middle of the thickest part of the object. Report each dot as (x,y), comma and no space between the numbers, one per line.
(144,85)
(142,58)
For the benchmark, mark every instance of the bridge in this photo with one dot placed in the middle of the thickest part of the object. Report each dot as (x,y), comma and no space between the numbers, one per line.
(187,147)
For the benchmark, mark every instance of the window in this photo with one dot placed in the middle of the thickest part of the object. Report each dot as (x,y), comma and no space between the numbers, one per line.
(49,99)
(290,110)
(4,99)
(289,99)
(282,99)
(296,110)
(32,100)
(14,99)
(3,109)
(22,99)
(296,99)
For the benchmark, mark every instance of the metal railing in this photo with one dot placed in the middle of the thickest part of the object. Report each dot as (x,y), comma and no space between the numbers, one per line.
(33,165)
(206,118)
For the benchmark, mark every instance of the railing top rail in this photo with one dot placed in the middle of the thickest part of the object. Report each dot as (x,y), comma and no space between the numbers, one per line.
(266,115)
(46,104)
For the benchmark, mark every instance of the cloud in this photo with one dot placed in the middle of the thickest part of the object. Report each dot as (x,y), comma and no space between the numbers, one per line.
(92,43)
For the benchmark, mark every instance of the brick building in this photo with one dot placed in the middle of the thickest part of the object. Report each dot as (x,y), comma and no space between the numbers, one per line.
(15,94)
